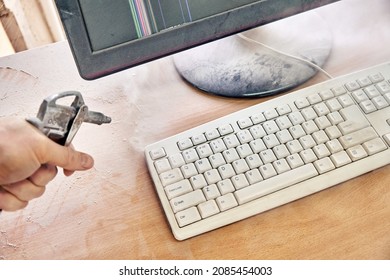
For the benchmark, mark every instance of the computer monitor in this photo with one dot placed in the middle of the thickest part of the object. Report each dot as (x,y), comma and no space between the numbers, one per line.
(107,36)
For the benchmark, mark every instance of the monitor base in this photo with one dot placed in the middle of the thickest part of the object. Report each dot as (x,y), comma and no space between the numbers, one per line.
(234,67)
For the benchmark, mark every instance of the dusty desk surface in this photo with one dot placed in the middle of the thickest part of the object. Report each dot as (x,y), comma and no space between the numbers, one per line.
(112,211)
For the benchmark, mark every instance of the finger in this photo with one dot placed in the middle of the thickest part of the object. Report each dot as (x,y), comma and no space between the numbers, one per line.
(65,157)
(43,175)
(9,202)
(24,190)
(68,172)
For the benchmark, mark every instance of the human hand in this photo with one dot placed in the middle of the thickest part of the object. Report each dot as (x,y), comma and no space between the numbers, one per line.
(29,160)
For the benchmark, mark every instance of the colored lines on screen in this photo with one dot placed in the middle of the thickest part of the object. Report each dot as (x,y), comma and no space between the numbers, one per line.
(151,16)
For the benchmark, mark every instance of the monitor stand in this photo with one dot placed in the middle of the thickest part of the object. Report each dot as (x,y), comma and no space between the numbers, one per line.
(234,67)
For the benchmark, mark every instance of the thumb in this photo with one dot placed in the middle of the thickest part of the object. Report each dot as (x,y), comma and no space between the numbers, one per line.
(66,157)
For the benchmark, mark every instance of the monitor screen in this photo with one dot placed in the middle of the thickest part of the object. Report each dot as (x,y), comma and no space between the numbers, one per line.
(107,36)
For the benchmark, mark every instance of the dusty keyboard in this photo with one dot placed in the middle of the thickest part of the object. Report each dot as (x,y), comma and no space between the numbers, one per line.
(273,153)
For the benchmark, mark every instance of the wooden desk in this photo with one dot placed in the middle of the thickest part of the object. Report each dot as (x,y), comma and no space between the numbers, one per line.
(112,211)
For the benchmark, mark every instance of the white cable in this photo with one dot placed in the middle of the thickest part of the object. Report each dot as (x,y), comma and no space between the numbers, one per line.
(286,54)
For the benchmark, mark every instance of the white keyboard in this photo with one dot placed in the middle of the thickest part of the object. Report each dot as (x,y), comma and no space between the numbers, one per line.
(273,153)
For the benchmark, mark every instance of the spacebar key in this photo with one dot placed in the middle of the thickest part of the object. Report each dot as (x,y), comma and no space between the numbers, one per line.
(276,183)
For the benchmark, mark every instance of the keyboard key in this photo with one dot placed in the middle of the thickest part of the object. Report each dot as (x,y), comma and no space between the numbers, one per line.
(212,176)
(294,161)
(226,171)
(176,160)
(244,150)
(202,165)
(239,181)
(339,90)
(253,176)
(212,134)
(162,165)
(281,166)
(270,114)
(387,138)
(187,200)
(198,181)
(333,105)
(244,123)
(199,139)
(340,158)
(295,145)
(189,170)
(240,166)
(283,122)
(203,151)
(296,118)
(225,186)
(383,87)
(231,141)
(309,114)
(321,109)
(302,103)
(326,94)
(380,102)
(359,96)
(253,161)
(217,145)
(376,78)
(352,85)
(354,120)
(171,176)
(309,127)
(267,156)
(187,216)
(217,160)
(335,118)
(270,127)
(226,202)
(374,146)
(157,153)
(333,132)
(244,136)
(334,146)
(324,165)
(267,171)
(371,91)
(271,141)
(230,155)
(178,188)
(345,100)
(257,131)
(225,129)
(308,156)
(211,192)
(367,106)
(283,109)
(297,131)
(184,144)
(357,152)
(280,151)
(258,118)
(363,82)
(208,208)
(314,98)
(307,142)
(357,137)
(190,155)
